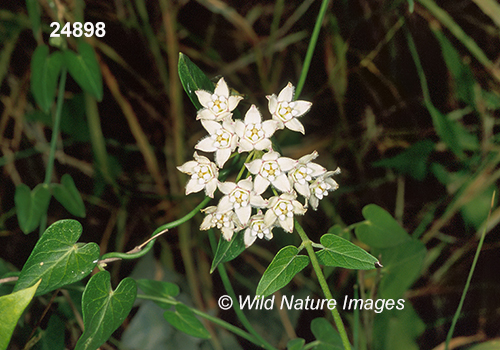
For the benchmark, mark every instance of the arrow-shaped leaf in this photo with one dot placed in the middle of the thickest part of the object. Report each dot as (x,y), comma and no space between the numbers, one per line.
(380,230)
(57,259)
(31,205)
(227,251)
(184,320)
(285,265)
(104,310)
(45,70)
(11,308)
(342,253)
(67,194)
(192,79)
(84,68)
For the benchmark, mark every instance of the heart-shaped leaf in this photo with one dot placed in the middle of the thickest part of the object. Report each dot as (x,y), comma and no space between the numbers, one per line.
(402,266)
(159,289)
(31,205)
(104,310)
(67,194)
(11,308)
(295,344)
(84,68)
(184,320)
(342,253)
(380,230)
(45,71)
(327,336)
(57,259)
(285,265)
(227,251)
(192,79)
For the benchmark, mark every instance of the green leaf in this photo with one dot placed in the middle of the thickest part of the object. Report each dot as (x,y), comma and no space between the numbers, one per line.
(446,129)
(52,337)
(84,68)
(412,161)
(402,266)
(326,334)
(340,252)
(463,79)
(11,308)
(295,344)
(285,265)
(67,194)
(31,205)
(45,71)
(57,260)
(34,14)
(104,310)
(184,320)
(475,211)
(380,230)
(192,79)
(397,329)
(159,289)
(227,251)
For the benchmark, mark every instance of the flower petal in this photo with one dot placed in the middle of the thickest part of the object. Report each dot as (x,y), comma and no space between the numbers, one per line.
(301,107)
(221,88)
(205,114)
(243,214)
(187,167)
(270,218)
(210,188)
(227,187)
(253,116)
(204,97)
(295,125)
(248,238)
(224,205)
(245,146)
(221,156)
(286,163)
(287,224)
(239,128)
(194,186)
(254,166)
(233,102)
(287,93)
(273,103)
(260,184)
(262,144)
(281,183)
(269,127)
(211,126)
(206,145)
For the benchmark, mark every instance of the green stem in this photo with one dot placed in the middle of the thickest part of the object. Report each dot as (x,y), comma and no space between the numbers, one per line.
(170,225)
(469,278)
(236,307)
(322,282)
(53,142)
(311,47)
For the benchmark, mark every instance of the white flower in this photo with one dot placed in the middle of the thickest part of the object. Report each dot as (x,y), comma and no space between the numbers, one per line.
(257,228)
(218,105)
(320,187)
(222,140)
(286,111)
(282,209)
(203,173)
(240,198)
(253,133)
(271,168)
(227,222)
(303,172)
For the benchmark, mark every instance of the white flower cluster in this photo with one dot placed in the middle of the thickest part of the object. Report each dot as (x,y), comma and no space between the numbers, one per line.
(234,210)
